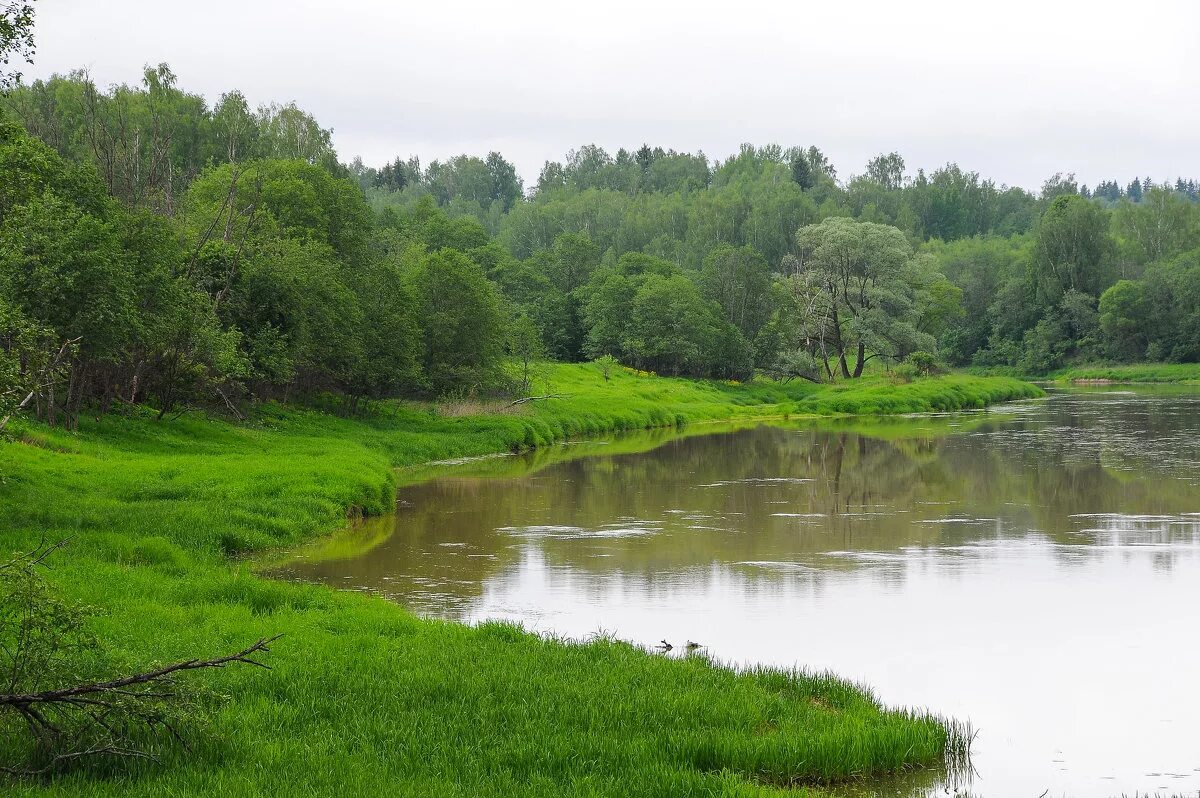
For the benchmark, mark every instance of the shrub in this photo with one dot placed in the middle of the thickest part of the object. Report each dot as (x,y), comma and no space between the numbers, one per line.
(926,363)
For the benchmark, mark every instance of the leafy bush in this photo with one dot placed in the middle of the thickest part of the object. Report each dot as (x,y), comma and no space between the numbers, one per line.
(926,363)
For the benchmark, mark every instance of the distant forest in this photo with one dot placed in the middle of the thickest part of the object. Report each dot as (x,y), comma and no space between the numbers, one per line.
(157,249)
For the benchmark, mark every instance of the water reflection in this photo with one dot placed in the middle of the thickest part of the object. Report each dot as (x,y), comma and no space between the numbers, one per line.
(1032,569)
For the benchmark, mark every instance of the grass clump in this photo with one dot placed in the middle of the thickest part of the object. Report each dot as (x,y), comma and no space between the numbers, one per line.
(365,698)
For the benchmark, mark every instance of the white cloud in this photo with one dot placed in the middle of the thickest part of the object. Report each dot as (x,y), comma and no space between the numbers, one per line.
(1016,90)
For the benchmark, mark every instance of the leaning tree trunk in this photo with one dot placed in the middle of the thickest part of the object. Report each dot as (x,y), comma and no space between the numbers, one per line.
(862,359)
(840,344)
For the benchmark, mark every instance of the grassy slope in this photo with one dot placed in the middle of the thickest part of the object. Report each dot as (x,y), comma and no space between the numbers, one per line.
(364,698)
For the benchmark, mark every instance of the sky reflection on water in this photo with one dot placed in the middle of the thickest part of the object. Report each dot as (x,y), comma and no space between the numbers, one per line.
(1033,569)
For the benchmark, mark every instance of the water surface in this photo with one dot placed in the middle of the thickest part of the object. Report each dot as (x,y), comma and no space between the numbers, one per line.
(1033,569)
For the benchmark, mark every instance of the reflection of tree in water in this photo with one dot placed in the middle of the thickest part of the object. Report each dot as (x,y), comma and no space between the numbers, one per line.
(771,508)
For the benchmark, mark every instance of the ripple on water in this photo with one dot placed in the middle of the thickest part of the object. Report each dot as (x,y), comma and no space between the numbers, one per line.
(1120,529)
(464,460)
(958,520)
(756,481)
(555,532)
(773,565)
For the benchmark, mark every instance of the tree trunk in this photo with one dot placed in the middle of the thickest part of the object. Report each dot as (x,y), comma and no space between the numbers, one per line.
(861,361)
(838,342)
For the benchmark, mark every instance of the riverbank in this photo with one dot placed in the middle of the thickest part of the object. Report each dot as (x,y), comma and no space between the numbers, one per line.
(1100,373)
(364,698)
(1182,373)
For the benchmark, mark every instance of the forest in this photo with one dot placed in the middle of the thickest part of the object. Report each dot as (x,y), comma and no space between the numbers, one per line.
(157,249)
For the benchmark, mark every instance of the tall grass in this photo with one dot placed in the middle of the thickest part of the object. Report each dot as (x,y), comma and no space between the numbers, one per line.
(365,698)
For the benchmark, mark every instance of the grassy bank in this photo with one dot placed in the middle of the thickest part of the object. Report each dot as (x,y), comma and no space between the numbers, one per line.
(1188,373)
(364,698)
(1180,373)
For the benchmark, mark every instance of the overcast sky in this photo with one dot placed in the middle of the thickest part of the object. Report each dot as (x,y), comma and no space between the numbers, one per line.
(1016,90)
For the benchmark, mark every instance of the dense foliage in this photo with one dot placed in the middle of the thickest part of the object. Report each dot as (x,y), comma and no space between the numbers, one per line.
(208,256)
(156,249)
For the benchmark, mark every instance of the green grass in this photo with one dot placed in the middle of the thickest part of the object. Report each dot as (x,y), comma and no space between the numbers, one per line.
(1184,373)
(365,698)
(942,394)
(1136,372)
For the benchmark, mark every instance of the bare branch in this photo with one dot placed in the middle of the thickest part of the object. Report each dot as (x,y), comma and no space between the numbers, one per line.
(75,695)
(229,404)
(60,759)
(538,398)
(35,556)
(217,218)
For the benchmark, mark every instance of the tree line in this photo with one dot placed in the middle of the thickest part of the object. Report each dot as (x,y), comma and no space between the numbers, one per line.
(993,275)
(157,249)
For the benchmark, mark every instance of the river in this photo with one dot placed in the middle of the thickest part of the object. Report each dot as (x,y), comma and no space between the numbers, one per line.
(1034,568)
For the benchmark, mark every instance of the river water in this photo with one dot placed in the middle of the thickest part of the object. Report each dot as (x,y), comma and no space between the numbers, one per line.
(1034,569)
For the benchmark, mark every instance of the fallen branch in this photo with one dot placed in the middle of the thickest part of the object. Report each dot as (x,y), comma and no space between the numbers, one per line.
(232,408)
(35,556)
(93,719)
(101,750)
(79,695)
(538,398)
(98,719)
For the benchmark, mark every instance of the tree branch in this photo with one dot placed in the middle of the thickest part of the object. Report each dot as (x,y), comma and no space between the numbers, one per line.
(101,750)
(537,398)
(77,694)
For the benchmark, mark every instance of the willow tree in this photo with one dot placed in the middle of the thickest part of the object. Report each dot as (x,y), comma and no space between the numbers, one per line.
(866,288)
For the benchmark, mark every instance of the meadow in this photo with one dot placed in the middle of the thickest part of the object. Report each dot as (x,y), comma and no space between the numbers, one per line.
(161,517)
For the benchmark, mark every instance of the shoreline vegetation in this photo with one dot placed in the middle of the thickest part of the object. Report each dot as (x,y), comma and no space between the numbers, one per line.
(363,697)
(1104,373)
(1177,373)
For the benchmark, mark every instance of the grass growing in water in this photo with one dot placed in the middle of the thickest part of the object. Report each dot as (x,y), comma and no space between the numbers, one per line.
(364,697)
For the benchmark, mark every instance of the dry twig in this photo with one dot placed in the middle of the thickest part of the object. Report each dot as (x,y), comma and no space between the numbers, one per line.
(537,398)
